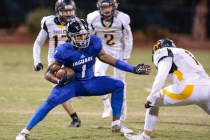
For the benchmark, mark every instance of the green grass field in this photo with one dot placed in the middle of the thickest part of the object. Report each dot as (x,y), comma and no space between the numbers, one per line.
(22,90)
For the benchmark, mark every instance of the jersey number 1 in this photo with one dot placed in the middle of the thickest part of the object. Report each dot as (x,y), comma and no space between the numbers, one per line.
(83,70)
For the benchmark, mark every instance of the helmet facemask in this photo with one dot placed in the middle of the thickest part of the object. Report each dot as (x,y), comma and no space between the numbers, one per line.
(78,33)
(107,7)
(79,40)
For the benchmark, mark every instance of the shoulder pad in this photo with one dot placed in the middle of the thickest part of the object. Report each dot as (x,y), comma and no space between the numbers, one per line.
(124,18)
(92,16)
(161,54)
(44,19)
(97,43)
(60,52)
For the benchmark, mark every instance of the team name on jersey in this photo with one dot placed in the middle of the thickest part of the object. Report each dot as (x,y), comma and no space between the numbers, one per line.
(106,31)
(59,31)
(82,61)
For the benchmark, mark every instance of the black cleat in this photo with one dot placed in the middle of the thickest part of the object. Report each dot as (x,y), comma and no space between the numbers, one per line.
(75,123)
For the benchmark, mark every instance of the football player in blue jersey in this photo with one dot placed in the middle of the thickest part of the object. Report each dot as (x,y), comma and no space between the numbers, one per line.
(79,54)
(53,30)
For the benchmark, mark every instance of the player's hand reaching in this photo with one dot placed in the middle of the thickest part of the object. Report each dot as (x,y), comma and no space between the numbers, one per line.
(38,67)
(142,69)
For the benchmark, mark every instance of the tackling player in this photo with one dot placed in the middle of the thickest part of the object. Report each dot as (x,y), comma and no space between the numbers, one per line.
(112,26)
(79,54)
(53,29)
(191,84)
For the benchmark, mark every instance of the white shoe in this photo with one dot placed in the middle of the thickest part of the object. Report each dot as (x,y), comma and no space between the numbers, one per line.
(121,128)
(125,130)
(138,136)
(22,135)
(107,112)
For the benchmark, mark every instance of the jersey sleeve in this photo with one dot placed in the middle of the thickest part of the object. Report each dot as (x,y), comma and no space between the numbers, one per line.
(90,19)
(160,54)
(127,34)
(97,44)
(58,54)
(40,40)
(43,24)
(124,18)
(163,71)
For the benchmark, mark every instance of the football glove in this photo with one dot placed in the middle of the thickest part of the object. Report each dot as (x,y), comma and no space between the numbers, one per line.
(65,80)
(38,67)
(142,69)
(150,102)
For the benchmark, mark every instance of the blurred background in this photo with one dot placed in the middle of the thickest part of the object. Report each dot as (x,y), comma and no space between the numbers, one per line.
(187,22)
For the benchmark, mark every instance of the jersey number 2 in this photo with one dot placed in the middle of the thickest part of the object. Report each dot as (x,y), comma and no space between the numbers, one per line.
(109,38)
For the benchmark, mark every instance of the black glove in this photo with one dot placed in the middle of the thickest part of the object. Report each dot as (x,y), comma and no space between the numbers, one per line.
(38,67)
(142,69)
(147,104)
(65,80)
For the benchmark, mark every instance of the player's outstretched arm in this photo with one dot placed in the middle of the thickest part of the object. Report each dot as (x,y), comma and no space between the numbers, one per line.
(139,69)
(164,67)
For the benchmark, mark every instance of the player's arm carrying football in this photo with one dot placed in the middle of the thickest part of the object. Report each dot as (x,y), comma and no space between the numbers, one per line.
(140,69)
(61,80)
(50,72)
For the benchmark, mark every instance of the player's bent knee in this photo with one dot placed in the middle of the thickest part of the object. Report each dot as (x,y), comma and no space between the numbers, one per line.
(120,84)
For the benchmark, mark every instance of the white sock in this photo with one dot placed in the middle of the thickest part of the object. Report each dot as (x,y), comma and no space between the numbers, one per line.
(117,122)
(106,102)
(25,131)
(151,118)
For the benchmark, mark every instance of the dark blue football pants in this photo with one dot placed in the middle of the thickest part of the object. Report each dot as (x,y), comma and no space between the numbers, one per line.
(95,87)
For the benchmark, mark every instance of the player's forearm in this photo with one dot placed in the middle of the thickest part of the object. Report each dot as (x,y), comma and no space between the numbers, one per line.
(41,38)
(50,72)
(124,66)
(50,77)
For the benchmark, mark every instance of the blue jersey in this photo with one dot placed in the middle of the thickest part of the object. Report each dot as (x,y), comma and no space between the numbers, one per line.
(81,61)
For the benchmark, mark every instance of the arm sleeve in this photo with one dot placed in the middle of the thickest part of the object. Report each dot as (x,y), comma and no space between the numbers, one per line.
(164,67)
(40,40)
(128,41)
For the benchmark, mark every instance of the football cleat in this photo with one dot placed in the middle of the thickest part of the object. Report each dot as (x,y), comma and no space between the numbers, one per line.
(116,128)
(22,135)
(125,129)
(107,112)
(121,128)
(75,123)
(138,136)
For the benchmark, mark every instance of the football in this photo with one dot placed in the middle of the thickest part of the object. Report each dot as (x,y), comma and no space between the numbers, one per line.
(60,73)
